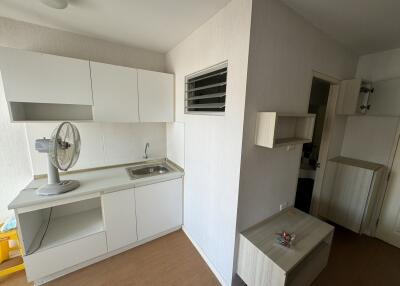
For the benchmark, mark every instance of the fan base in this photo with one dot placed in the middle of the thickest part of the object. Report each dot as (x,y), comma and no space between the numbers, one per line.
(59,188)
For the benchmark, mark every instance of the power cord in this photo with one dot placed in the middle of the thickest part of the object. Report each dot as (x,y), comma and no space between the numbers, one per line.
(44,234)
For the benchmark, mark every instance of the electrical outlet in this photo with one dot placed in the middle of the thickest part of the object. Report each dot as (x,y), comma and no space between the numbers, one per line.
(283,206)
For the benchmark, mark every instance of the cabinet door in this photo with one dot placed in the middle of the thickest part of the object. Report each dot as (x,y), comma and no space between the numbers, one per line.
(115,94)
(349,97)
(158,207)
(119,218)
(156,96)
(350,192)
(41,78)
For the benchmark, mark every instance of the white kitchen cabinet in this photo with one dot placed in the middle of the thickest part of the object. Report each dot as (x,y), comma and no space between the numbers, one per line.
(115,93)
(41,78)
(156,96)
(352,191)
(119,218)
(158,207)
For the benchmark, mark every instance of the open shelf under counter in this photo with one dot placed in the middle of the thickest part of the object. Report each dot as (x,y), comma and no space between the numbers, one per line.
(65,229)
(276,129)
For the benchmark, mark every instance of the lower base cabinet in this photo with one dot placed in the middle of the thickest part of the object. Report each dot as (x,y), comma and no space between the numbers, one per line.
(158,207)
(93,228)
(119,218)
(55,259)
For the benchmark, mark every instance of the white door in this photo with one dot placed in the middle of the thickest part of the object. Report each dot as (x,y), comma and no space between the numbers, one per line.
(115,94)
(324,148)
(156,96)
(119,218)
(158,207)
(43,78)
(348,101)
(389,222)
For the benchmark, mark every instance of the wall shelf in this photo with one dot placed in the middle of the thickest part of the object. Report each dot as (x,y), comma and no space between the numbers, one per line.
(275,129)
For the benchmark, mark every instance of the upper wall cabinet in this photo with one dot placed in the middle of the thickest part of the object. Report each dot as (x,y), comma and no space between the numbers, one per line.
(41,87)
(353,97)
(42,78)
(156,96)
(115,93)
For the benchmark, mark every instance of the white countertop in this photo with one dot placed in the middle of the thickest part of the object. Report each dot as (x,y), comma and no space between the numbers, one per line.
(91,182)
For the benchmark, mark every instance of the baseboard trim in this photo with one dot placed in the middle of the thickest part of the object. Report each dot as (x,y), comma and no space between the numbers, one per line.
(205,258)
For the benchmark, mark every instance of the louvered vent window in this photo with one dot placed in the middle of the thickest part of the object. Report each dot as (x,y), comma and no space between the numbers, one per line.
(206,91)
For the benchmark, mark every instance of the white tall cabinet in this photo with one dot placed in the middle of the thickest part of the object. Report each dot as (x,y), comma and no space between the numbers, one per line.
(115,93)
(156,96)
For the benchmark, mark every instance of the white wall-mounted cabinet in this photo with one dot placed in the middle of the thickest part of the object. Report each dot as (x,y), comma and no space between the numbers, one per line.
(115,93)
(42,78)
(42,87)
(274,129)
(156,96)
(158,207)
(119,218)
(353,97)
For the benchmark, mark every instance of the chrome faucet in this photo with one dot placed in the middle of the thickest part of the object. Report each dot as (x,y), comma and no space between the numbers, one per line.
(146,156)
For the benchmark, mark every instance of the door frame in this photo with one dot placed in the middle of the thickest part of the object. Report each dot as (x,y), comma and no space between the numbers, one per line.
(325,138)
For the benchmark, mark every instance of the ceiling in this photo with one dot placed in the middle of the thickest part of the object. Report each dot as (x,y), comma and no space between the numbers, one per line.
(156,25)
(365,26)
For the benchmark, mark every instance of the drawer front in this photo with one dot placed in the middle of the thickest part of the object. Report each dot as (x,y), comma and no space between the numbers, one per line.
(52,260)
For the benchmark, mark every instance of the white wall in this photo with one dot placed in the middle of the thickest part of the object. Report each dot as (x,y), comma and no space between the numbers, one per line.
(102,143)
(371,138)
(176,143)
(25,36)
(284,52)
(213,143)
(379,66)
(15,167)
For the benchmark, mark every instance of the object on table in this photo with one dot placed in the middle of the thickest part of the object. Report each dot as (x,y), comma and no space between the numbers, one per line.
(285,238)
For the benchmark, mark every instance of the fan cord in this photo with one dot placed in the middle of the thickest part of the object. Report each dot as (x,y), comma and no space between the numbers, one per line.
(44,234)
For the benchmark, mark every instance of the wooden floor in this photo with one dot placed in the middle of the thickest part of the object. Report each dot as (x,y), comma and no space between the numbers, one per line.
(170,260)
(359,260)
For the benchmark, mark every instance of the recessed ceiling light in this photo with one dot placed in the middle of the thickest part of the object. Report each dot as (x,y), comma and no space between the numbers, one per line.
(57,4)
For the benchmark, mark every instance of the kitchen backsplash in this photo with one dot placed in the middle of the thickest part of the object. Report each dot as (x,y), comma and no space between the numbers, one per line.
(103,144)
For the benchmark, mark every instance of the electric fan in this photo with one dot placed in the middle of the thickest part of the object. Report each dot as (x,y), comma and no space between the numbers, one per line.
(63,150)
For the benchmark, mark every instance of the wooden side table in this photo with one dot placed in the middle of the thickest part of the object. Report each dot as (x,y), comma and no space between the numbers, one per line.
(262,261)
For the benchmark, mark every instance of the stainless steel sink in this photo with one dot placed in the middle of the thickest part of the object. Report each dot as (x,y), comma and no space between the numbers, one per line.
(147,171)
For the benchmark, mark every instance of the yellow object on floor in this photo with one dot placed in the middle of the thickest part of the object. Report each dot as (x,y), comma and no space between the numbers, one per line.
(5,249)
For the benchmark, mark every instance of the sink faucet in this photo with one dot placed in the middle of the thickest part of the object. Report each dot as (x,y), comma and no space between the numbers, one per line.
(146,156)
